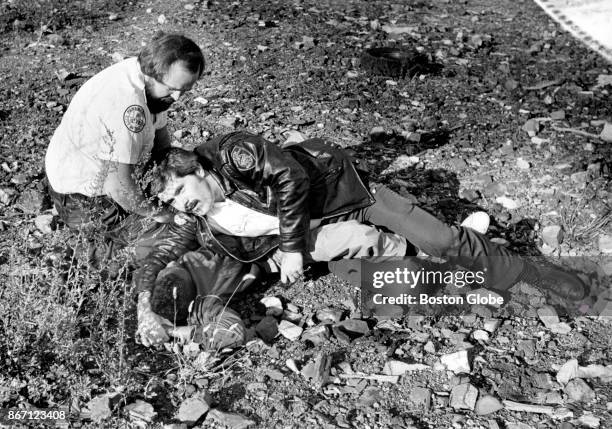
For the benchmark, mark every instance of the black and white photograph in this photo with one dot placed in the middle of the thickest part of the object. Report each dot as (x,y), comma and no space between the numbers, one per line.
(279,214)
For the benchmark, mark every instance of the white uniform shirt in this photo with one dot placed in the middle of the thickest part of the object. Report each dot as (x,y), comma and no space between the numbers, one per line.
(107,120)
(231,218)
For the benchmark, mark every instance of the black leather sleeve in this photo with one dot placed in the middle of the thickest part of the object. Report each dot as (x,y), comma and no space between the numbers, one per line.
(259,163)
(173,243)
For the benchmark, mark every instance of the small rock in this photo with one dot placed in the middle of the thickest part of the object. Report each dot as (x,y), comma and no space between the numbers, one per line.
(399,29)
(293,136)
(189,6)
(429,347)
(491,325)
(413,137)
(495,189)
(113,17)
(316,335)
(369,397)
(531,127)
(396,367)
(472,195)
(274,306)
(43,223)
(507,148)
(580,177)
(527,347)
(354,327)
(421,398)
(561,328)
(456,362)
(480,335)
(100,407)
(543,380)
(511,84)
(458,163)
(161,19)
(267,329)
(229,420)
(292,365)
(578,391)
(568,371)
(402,162)
(463,397)
(589,420)
(487,404)
(552,235)
(538,140)
(289,330)
(557,115)
(329,315)
(56,39)
(378,134)
(548,315)
(507,203)
(178,134)
(606,132)
(30,201)
(522,164)
(141,410)
(317,370)
(229,121)
(604,242)
(192,409)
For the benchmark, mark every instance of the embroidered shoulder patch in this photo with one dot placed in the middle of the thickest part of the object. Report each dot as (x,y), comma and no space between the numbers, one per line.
(242,158)
(134,118)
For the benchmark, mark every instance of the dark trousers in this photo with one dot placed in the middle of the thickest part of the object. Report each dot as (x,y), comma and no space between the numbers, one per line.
(102,217)
(463,246)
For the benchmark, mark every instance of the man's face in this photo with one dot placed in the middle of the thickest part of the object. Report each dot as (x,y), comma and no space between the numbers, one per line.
(189,194)
(161,94)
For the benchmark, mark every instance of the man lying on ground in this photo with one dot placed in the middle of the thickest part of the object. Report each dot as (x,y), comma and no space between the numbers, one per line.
(242,187)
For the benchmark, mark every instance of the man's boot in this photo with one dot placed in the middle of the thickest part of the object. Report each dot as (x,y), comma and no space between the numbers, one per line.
(554,279)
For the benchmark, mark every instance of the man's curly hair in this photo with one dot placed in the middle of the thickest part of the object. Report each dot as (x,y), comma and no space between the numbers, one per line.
(176,162)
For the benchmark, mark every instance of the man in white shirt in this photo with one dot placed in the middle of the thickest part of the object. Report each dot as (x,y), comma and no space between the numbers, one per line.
(114,123)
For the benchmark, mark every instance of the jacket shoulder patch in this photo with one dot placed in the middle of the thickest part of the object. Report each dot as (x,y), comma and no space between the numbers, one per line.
(242,158)
(134,118)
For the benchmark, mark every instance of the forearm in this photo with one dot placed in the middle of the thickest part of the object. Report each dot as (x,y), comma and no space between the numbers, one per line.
(121,186)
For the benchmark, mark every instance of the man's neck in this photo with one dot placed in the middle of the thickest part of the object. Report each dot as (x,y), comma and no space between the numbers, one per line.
(216,189)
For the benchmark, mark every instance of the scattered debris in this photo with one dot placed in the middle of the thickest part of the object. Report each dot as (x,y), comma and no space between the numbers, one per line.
(456,362)
(192,409)
(463,397)
(229,420)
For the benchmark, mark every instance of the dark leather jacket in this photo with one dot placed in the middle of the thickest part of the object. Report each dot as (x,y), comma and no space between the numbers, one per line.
(313,179)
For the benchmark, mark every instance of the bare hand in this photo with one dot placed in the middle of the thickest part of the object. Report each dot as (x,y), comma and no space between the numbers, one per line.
(292,266)
(152,328)
(182,333)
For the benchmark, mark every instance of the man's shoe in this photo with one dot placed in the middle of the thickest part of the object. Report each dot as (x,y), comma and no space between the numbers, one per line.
(556,280)
(217,326)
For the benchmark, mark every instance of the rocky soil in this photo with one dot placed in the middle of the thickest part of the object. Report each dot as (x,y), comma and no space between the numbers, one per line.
(513,118)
